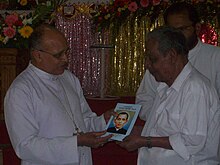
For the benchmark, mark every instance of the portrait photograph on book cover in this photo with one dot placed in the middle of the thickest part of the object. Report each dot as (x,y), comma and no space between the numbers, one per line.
(122,124)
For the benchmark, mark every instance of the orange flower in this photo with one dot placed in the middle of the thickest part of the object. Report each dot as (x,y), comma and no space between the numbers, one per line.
(26,31)
(23,2)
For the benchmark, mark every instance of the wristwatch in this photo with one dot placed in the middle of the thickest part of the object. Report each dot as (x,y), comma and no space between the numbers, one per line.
(149,142)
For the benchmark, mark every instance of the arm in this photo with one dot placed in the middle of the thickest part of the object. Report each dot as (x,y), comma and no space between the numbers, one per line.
(193,125)
(28,140)
(93,139)
(133,142)
(91,120)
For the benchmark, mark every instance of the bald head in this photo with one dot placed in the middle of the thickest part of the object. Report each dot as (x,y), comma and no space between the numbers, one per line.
(42,35)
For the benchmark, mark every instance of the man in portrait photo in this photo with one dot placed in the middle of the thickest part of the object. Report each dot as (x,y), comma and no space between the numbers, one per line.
(119,122)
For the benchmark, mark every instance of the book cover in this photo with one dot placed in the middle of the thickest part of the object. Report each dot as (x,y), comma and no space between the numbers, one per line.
(121,125)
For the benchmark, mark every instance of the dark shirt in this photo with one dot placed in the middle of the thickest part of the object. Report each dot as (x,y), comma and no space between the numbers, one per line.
(120,131)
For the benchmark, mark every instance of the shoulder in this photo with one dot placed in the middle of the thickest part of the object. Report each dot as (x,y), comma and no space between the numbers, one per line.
(24,79)
(198,83)
(210,49)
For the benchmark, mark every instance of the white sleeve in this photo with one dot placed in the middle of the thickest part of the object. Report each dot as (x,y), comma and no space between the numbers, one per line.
(23,130)
(91,120)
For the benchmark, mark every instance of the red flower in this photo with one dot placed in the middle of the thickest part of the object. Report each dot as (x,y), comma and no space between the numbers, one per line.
(156,2)
(9,32)
(11,19)
(121,3)
(144,3)
(118,14)
(100,19)
(132,6)
(18,23)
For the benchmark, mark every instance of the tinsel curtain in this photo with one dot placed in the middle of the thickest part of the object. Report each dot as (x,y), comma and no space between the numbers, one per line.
(124,65)
(126,68)
(84,62)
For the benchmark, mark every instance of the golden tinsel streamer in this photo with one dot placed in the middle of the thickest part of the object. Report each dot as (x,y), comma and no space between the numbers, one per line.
(126,68)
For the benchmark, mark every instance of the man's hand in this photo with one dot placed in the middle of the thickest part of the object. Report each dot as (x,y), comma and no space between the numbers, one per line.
(132,142)
(93,139)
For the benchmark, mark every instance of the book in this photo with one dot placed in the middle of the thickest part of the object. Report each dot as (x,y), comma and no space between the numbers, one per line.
(121,125)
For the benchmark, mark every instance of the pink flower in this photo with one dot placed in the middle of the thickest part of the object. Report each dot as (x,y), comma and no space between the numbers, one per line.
(11,19)
(9,32)
(132,6)
(156,2)
(144,3)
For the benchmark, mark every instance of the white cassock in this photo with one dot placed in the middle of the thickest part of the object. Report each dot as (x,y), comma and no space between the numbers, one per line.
(42,111)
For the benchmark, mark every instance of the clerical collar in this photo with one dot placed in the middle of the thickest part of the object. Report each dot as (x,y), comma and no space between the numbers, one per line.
(43,74)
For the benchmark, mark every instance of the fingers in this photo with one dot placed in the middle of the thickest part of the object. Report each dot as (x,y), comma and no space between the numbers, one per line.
(103,139)
(97,134)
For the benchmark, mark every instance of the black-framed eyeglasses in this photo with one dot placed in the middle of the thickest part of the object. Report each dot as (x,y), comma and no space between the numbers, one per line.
(56,55)
(184,28)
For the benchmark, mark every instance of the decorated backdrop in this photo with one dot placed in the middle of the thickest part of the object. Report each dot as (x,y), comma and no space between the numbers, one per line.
(108,40)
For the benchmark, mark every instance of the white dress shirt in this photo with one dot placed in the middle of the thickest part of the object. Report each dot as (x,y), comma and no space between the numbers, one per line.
(204,57)
(42,111)
(188,113)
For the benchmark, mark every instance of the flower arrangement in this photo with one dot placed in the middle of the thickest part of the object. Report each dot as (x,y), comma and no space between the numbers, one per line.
(118,10)
(15,29)
(16,26)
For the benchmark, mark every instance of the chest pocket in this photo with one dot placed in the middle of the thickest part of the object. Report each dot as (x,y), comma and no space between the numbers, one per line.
(168,119)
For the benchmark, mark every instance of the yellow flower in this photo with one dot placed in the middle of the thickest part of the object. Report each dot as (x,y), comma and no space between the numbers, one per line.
(23,2)
(26,31)
(1,38)
(107,16)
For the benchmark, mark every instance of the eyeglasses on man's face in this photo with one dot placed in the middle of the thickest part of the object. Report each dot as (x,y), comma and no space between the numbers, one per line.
(56,55)
(184,28)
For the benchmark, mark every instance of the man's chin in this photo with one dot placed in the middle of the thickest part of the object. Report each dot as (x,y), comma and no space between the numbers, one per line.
(154,75)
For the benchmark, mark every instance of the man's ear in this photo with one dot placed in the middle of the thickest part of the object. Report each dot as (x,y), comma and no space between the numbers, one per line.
(36,55)
(172,54)
(198,27)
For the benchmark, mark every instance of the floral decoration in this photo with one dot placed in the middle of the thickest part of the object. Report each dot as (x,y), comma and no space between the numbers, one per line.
(16,26)
(117,11)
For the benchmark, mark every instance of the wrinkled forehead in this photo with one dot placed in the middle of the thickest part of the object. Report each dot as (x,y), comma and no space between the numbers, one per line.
(54,39)
(177,20)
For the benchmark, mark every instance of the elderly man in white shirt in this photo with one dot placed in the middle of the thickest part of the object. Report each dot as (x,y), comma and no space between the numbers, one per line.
(183,127)
(48,119)
(204,57)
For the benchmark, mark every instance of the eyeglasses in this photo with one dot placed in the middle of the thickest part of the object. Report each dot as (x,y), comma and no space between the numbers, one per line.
(56,55)
(184,28)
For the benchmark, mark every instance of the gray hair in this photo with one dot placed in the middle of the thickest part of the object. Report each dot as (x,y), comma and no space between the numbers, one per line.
(169,38)
(35,41)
